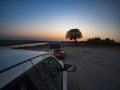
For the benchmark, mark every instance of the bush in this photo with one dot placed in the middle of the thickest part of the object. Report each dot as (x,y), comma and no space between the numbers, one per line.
(99,41)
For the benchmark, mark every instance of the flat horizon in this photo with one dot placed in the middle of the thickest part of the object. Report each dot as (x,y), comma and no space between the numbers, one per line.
(50,20)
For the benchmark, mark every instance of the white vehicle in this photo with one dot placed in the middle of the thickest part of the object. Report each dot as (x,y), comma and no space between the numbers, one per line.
(32,70)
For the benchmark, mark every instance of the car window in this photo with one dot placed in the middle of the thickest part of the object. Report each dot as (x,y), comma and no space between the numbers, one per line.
(54,46)
(30,80)
(24,84)
(52,62)
(53,70)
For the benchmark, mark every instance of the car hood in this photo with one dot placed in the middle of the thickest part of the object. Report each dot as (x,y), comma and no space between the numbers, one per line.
(10,57)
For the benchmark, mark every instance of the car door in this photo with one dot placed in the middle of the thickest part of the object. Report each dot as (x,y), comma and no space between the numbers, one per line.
(54,71)
(51,72)
(22,77)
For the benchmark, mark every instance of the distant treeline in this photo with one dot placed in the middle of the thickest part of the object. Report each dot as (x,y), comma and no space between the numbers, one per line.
(99,41)
(96,41)
(90,41)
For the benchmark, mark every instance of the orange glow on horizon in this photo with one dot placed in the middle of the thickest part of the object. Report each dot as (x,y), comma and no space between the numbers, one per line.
(45,36)
(37,35)
(56,34)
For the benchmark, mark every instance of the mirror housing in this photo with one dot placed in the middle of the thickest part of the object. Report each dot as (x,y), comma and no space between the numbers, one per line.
(69,68)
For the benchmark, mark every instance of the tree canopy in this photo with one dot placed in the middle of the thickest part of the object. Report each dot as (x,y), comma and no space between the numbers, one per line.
(74,34)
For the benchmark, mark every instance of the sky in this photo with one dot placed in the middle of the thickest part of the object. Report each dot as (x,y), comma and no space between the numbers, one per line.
(51,19)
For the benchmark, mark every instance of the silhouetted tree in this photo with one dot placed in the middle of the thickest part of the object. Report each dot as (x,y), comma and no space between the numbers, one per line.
(74,34)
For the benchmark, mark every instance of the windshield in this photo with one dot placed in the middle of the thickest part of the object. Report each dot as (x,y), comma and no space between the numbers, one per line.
(54,46)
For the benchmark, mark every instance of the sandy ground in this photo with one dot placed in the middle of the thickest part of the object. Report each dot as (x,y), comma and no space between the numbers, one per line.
(97,68)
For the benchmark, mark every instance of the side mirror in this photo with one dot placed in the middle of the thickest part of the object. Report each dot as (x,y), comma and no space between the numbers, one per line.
(69,68)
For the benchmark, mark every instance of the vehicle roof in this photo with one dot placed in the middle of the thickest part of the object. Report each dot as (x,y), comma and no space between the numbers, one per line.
(10,57)
(55,43)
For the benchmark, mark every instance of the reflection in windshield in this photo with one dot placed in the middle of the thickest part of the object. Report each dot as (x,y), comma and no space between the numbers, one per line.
(54,46)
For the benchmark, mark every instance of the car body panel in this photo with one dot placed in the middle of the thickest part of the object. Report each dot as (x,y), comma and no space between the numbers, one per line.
(64,76)
(39,59)
(13,63)
(10,57)
(11,74)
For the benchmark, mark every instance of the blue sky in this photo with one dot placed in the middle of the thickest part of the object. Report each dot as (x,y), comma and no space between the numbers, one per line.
(51,19)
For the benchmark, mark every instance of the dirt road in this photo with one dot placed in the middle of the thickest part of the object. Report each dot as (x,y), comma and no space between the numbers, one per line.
(97,68)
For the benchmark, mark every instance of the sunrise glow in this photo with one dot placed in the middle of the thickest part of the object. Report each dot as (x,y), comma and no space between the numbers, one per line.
(51,20)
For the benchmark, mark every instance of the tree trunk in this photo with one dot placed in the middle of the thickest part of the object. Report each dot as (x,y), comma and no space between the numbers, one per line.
(75,42)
